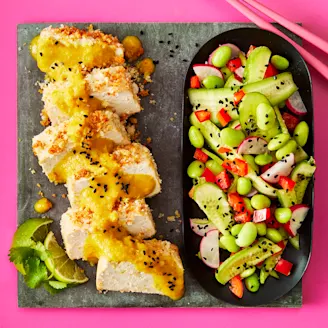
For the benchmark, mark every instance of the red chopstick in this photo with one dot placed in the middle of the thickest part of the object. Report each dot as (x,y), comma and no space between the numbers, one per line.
(309,58)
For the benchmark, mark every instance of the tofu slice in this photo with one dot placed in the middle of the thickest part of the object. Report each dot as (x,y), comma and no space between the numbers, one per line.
(133,214)
(125,277)
(54,143)
(111,86)
(137,159)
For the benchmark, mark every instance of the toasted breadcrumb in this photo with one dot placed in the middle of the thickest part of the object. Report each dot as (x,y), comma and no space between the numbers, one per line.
(171,218)
(64,196)
(177,214)
(38,185)
(54,195)
(41,194)
(160,215)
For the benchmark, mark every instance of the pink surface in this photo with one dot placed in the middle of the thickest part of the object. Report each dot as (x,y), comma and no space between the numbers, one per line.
(311,13)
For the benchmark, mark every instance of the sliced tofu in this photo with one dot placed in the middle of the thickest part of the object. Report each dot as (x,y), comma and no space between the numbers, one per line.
(133,214)
(111,86)
(137,159)
(54,143)
(125,277)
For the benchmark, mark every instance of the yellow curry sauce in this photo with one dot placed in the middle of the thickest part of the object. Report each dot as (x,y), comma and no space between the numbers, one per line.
(68,62)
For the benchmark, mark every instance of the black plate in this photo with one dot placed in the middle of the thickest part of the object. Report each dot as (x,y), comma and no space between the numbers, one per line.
(273,289)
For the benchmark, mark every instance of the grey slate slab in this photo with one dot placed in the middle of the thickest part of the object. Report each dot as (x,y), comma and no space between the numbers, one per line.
(154,122)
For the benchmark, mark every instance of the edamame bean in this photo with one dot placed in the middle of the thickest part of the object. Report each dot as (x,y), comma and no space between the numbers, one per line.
(196,138)
(280,62)
(282,104)
(263,159)
(283,233)
(283,214)
(248,205)
(221,245)
(301,133)
(195,169)
(251,161)
(247,235)
(248,272)
(252,283)
(221,56)
(274,235)
(232,137)
(236,229)
(261,228)
(278,141)
(213,82)
(244,186)
(265,116)
(214,166)
(226,72)
(290,147)
(229,242)
(260,201)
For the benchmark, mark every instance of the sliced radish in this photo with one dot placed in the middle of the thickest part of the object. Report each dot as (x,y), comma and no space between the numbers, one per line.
(261,215)
(237,127)
(240,72)
(209,249)
(201,226)
(252,193)
(253,146)
(203,71)
(234,51)
(295,104)
(281,168)
(299,213)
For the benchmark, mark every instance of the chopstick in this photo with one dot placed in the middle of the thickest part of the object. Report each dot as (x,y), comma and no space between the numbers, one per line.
(297,29)
(313,61)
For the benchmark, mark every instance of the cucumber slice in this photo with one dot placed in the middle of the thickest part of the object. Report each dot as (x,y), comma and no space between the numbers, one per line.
(242,58)
(256,64)
(300,154)
(247,116)
(244,259)
(295,241)
(287,198)
(213,202)
(214,100)
(232,82)
(212,156)
(281,121)
(274,274)
(226,72)
(259,184)
(302,175)
(268,266)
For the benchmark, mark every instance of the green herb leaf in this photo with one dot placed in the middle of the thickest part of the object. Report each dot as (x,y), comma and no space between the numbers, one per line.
(57,284)
(20,254)
(49,289)
(36,272)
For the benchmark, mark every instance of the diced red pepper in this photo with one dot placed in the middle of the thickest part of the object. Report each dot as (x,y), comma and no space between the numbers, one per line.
(203,115)
(270,71)
(238,78)
(286,183)
(236,286)
(236,166)
(238,96)
(236,202)
(223,150)
(282,244)
(291,121)
(243,217)
(284,267)
(200,155)
(223,180)
(223,117)
(266,167)
(261,215)
(233,64)
(208,175)
(271,222)
(251,48)
(194,82)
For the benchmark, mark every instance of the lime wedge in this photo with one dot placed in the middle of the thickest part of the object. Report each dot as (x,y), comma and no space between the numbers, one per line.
(28,233)
(59,264)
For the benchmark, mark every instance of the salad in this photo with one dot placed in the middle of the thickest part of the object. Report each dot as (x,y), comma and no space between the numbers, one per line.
(250,171)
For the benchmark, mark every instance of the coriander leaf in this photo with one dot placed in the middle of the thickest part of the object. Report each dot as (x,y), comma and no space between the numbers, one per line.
(57,284)
(19,255)
(36,272)
(41,251)
(49,289)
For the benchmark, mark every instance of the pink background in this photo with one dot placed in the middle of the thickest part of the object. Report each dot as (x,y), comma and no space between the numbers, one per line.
(313,14)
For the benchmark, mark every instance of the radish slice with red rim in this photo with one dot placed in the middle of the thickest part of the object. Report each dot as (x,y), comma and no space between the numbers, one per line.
(209,249)
(281,168)
(234,51)
(253,146)
(299,213)
(240,71)
(201,226)
(203,71)
(295,104)
(252,193)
